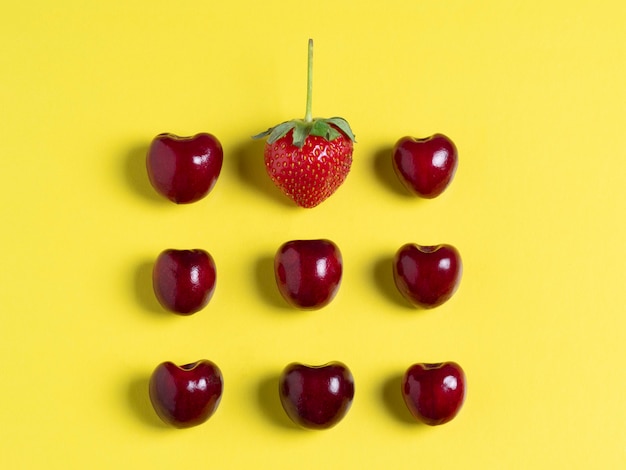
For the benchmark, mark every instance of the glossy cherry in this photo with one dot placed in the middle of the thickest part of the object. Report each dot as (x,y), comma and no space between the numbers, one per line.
(308,272)
(188,395)
(434,393)
(184,169)
(427,276)
(316,397)
(425,166)
(184,280)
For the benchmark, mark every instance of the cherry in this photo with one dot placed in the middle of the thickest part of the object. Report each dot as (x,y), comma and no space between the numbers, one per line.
(316,397)
(425,166)
(434,393)
(184,280)
(308,272)
(427,276)
(184,169)
(188,395)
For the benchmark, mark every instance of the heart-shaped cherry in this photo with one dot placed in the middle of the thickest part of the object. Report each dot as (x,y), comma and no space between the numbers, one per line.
(308,272)
(184,280)
(427,276)
(316,397)
(425,166)
(188,395)
(434,393)
(184,169)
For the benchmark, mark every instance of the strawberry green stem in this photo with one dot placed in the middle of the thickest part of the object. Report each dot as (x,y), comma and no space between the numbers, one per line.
(308,117)
(329,129)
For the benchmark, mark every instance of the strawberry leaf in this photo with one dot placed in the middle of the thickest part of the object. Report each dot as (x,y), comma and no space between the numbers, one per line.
(263,134)
(342,124)
(301,131)
(276,132)
(280,131)
(322,128)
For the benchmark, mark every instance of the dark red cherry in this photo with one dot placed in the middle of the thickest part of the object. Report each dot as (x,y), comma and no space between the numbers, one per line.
(188,395)
(434,393)
(427,276)
(308,272)
(425,166)
(184,169)
(184,280)
(316,397)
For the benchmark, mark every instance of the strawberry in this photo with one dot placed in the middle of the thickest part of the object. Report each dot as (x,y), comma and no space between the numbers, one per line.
(308,159)
(311,171)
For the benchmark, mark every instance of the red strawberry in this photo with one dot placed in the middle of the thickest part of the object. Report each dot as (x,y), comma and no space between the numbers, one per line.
(308,159)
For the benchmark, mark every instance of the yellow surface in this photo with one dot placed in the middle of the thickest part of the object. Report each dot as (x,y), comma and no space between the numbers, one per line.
(534,95)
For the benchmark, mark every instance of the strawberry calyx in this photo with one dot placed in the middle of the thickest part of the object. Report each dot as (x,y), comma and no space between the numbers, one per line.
(328,129)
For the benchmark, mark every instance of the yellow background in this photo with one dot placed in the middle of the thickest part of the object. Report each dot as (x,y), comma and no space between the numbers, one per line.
(533,94)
